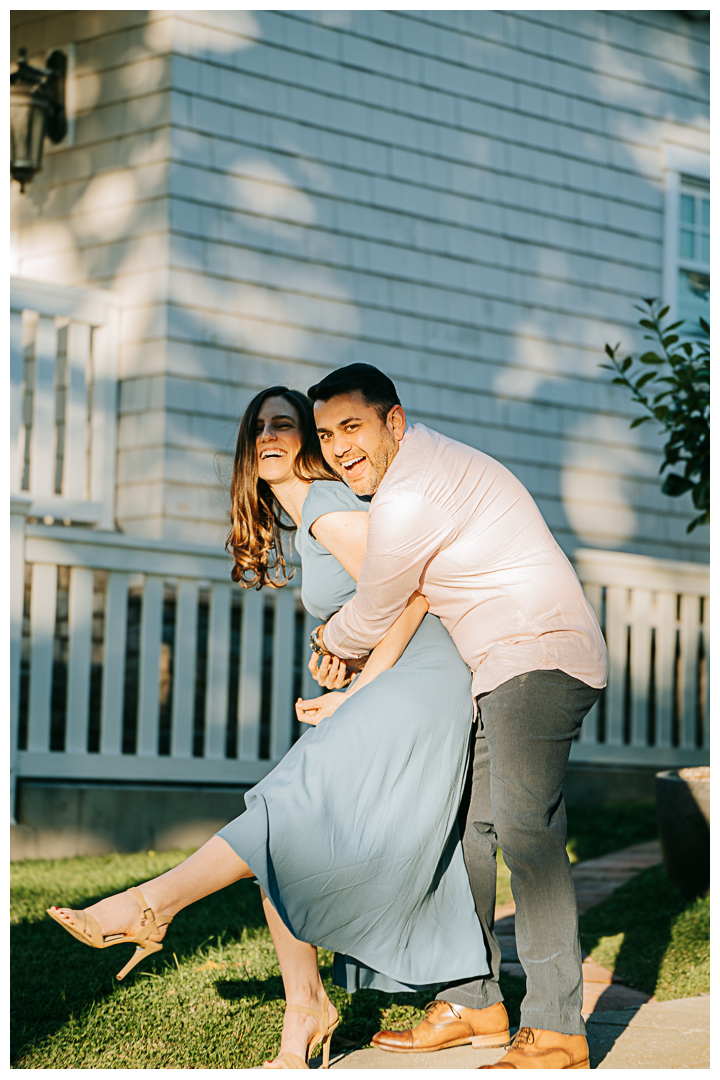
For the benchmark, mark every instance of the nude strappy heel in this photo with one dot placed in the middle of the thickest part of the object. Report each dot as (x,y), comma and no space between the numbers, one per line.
(324,1034)
(148,925)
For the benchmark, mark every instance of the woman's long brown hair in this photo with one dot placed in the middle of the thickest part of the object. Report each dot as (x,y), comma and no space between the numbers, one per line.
(256,525)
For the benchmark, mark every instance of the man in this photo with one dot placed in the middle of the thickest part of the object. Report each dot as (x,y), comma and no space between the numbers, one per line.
(455,524)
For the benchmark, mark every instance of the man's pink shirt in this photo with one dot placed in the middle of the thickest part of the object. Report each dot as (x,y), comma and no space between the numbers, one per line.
(455,524)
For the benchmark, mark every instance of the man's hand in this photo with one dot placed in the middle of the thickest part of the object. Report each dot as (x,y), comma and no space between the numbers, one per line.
(330,672)
(313,710)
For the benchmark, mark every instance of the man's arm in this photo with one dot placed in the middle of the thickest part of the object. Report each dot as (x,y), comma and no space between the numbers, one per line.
(382,658)
(405,533)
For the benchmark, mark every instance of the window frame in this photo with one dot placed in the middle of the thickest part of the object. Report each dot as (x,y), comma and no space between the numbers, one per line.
(679,161)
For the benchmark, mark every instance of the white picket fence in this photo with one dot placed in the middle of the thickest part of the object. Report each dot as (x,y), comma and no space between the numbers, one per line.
(140,660)
(63,414)
(655,615)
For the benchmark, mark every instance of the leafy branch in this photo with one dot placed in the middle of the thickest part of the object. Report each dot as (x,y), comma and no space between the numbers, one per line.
(677,377)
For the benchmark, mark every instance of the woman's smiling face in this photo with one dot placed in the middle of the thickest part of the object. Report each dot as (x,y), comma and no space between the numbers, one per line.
(278,440)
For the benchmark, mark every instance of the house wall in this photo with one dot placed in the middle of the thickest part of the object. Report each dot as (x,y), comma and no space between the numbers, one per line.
(471,200)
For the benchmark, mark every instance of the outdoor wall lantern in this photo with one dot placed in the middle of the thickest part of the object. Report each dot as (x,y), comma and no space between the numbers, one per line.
(37,109)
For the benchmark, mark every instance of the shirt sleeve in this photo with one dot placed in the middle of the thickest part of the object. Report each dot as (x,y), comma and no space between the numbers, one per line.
(404,535)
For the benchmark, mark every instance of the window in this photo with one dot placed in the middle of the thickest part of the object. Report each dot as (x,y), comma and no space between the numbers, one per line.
(693,284)
(686,285)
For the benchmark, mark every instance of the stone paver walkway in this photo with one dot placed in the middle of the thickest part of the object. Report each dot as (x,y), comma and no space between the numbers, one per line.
(594,881)
(657,1035)
(626,1028)
(597,878)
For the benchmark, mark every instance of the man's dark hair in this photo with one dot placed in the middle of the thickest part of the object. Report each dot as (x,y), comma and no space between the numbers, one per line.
(376,388)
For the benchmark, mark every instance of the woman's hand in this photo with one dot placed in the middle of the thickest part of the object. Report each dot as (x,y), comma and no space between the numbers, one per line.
(313,710)
(331,672)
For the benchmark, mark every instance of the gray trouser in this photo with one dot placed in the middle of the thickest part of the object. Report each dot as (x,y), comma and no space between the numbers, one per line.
(524,733)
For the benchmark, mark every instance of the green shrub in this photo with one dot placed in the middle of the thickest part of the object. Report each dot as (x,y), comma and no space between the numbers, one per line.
(680,374)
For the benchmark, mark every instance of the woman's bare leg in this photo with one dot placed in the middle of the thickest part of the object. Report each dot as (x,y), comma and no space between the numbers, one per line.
(211,867)
(302,982)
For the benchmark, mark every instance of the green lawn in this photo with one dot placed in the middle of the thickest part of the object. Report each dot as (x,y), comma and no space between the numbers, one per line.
(213,998)
(594,831)
(646,931)
(652,937)
(597,830)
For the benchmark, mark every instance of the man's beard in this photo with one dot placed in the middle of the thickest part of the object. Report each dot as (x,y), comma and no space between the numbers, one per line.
(379,464)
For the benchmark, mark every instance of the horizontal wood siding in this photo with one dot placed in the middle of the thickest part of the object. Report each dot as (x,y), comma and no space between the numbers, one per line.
(471,200)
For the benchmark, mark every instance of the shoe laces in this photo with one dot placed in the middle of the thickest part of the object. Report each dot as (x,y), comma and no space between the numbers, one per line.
(432,1005)
(524,1037)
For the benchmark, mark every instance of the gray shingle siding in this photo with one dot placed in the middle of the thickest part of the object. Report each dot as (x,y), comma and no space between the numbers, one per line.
(472,200)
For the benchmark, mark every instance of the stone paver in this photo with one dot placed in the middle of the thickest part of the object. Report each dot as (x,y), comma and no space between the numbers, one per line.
(594,881)
(459,1057)
(658,1035)
(597,878)
(626,1028)
(606,996)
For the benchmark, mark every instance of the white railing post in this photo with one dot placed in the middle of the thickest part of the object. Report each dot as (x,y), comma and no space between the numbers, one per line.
(689,635)
(43,602)
(18,509)
(80,604)
(114,644)
(183,703)
(616,634)
(250,691)
(640,648)
(42,439)
(589,730)
(103,433)
(665,642)
(218,670)
(283,673)
(75,457)
(16,398)
(149,680)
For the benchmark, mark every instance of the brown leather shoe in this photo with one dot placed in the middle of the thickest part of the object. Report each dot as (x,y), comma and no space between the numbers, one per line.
(535,1048)
(449,1025)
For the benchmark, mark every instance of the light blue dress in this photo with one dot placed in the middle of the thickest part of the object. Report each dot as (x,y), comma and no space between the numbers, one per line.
(353,835)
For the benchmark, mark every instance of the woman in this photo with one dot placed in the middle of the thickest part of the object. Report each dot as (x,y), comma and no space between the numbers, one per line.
(353,835)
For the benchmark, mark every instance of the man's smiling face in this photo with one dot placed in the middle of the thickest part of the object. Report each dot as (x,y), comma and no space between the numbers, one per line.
(356,443)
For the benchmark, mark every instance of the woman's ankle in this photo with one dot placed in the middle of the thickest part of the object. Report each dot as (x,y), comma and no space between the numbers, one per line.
(310,994)
(157,899)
